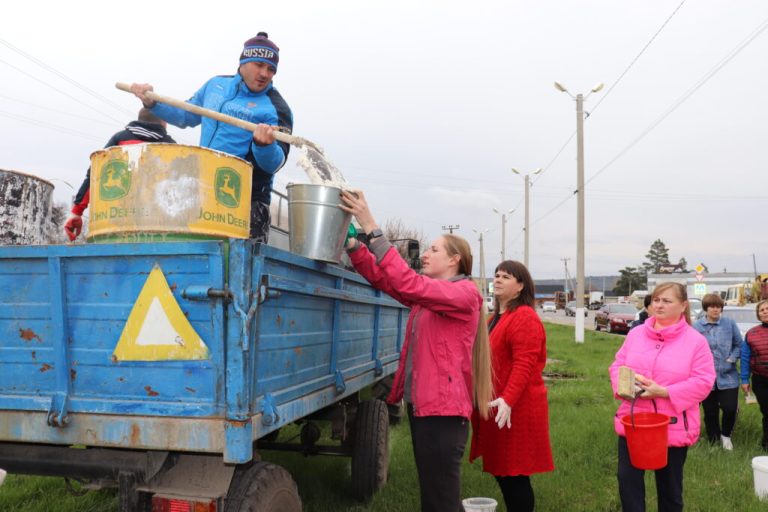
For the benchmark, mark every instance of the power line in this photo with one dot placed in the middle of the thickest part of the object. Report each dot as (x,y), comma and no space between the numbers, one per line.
(615,83)
(59,91)
(692,90)
(49,109)
(51,126)
(66,78)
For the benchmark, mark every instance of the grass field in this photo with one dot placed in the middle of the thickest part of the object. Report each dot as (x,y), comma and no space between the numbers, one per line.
(584,444)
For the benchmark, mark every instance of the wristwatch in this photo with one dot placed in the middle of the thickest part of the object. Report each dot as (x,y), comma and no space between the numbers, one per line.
(376,233)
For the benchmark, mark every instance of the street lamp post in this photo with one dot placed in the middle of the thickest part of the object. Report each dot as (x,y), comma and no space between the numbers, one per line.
(503,231)
(526,229)
(579,98)
(483,281)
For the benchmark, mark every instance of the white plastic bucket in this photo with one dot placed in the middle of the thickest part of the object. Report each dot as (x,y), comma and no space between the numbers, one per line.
(480,504)
(760,468)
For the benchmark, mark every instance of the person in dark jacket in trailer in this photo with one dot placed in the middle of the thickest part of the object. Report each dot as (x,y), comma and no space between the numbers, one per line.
(248,95)
(148,128)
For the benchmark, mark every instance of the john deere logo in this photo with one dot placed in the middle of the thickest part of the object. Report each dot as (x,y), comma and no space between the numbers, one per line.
(228,187)
(115,180)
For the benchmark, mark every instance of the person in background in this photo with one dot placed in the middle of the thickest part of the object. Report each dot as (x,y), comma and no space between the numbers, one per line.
(515,444)
(445,367)
(147,128)
(675,370)
(248,95)
(644,313)
(754,362)
(724,340)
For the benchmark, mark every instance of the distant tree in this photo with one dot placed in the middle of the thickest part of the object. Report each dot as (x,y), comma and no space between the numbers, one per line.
(683,265)
(631,279)
(396,231)
(657,255)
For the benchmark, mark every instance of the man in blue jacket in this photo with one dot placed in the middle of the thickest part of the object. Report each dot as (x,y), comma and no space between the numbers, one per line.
(248,95)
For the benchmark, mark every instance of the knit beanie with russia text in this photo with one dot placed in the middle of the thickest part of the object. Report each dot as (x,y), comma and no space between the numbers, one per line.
(260,49)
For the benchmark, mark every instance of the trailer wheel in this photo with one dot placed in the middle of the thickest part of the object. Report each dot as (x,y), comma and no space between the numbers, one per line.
(370,449)
(381,391)
(262,487)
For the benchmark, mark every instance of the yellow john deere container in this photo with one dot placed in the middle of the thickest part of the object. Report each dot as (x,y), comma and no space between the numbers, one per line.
(148,192)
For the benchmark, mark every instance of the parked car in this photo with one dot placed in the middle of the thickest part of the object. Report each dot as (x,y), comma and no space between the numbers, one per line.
(548,307)
(695,305)
(570,309)
(615,317)
(744,316)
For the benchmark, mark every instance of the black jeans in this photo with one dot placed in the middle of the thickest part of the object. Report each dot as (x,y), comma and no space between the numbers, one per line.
(669,481)
(518,493)
(726,400)
(760,389)
(438,447)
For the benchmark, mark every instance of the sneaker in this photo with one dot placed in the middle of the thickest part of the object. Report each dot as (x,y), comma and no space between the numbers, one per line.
(727,444)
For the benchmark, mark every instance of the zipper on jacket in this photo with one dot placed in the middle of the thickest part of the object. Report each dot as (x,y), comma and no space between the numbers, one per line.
(221,108)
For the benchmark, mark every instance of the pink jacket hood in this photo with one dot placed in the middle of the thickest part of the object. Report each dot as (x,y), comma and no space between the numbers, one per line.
(676,357)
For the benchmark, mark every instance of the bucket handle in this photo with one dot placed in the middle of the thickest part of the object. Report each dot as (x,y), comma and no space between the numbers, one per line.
(632,408)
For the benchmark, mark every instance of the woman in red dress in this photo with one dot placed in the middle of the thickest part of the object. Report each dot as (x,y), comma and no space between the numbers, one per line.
(515,444)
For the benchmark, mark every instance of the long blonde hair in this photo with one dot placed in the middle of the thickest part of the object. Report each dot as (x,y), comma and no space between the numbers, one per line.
(482,385)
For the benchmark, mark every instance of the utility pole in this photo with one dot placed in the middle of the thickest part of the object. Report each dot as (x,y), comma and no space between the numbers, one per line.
(527,226)
(483,280)
(754,264)
(565,261)
(580,219)
(450,228)
(503,232)
(579,337)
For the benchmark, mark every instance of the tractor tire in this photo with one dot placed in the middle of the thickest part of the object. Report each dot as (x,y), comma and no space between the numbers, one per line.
(597,325)
(370,449)
(381,391)
(262,487)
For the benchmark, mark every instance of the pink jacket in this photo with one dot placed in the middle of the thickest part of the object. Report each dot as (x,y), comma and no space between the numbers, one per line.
(676,357)
(448,313)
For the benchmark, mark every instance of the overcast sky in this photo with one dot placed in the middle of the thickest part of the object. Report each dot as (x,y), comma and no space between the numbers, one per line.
(427,105)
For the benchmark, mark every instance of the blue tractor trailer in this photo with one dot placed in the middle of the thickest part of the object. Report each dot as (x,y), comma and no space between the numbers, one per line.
(164,368)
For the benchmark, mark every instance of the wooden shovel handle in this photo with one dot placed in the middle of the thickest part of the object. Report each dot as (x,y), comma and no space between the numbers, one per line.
(224,118)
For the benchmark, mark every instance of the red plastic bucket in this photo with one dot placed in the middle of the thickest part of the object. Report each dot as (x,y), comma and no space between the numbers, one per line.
(646,439)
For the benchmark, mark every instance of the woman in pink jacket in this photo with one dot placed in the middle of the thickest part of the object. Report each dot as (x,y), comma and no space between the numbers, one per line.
(445,363)
(675,371)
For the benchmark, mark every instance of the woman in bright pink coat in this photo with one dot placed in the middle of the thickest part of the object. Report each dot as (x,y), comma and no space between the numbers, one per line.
(445,363)
(675,372)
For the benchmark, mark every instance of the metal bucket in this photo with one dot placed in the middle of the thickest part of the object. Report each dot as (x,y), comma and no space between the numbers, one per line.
(318,227)
(25,209)
(168,191)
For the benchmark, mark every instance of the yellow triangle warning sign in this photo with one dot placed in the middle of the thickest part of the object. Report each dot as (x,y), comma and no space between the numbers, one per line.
(156,329)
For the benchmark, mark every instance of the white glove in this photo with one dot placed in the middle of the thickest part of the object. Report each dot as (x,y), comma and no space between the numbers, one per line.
(503,413)
(2,476)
